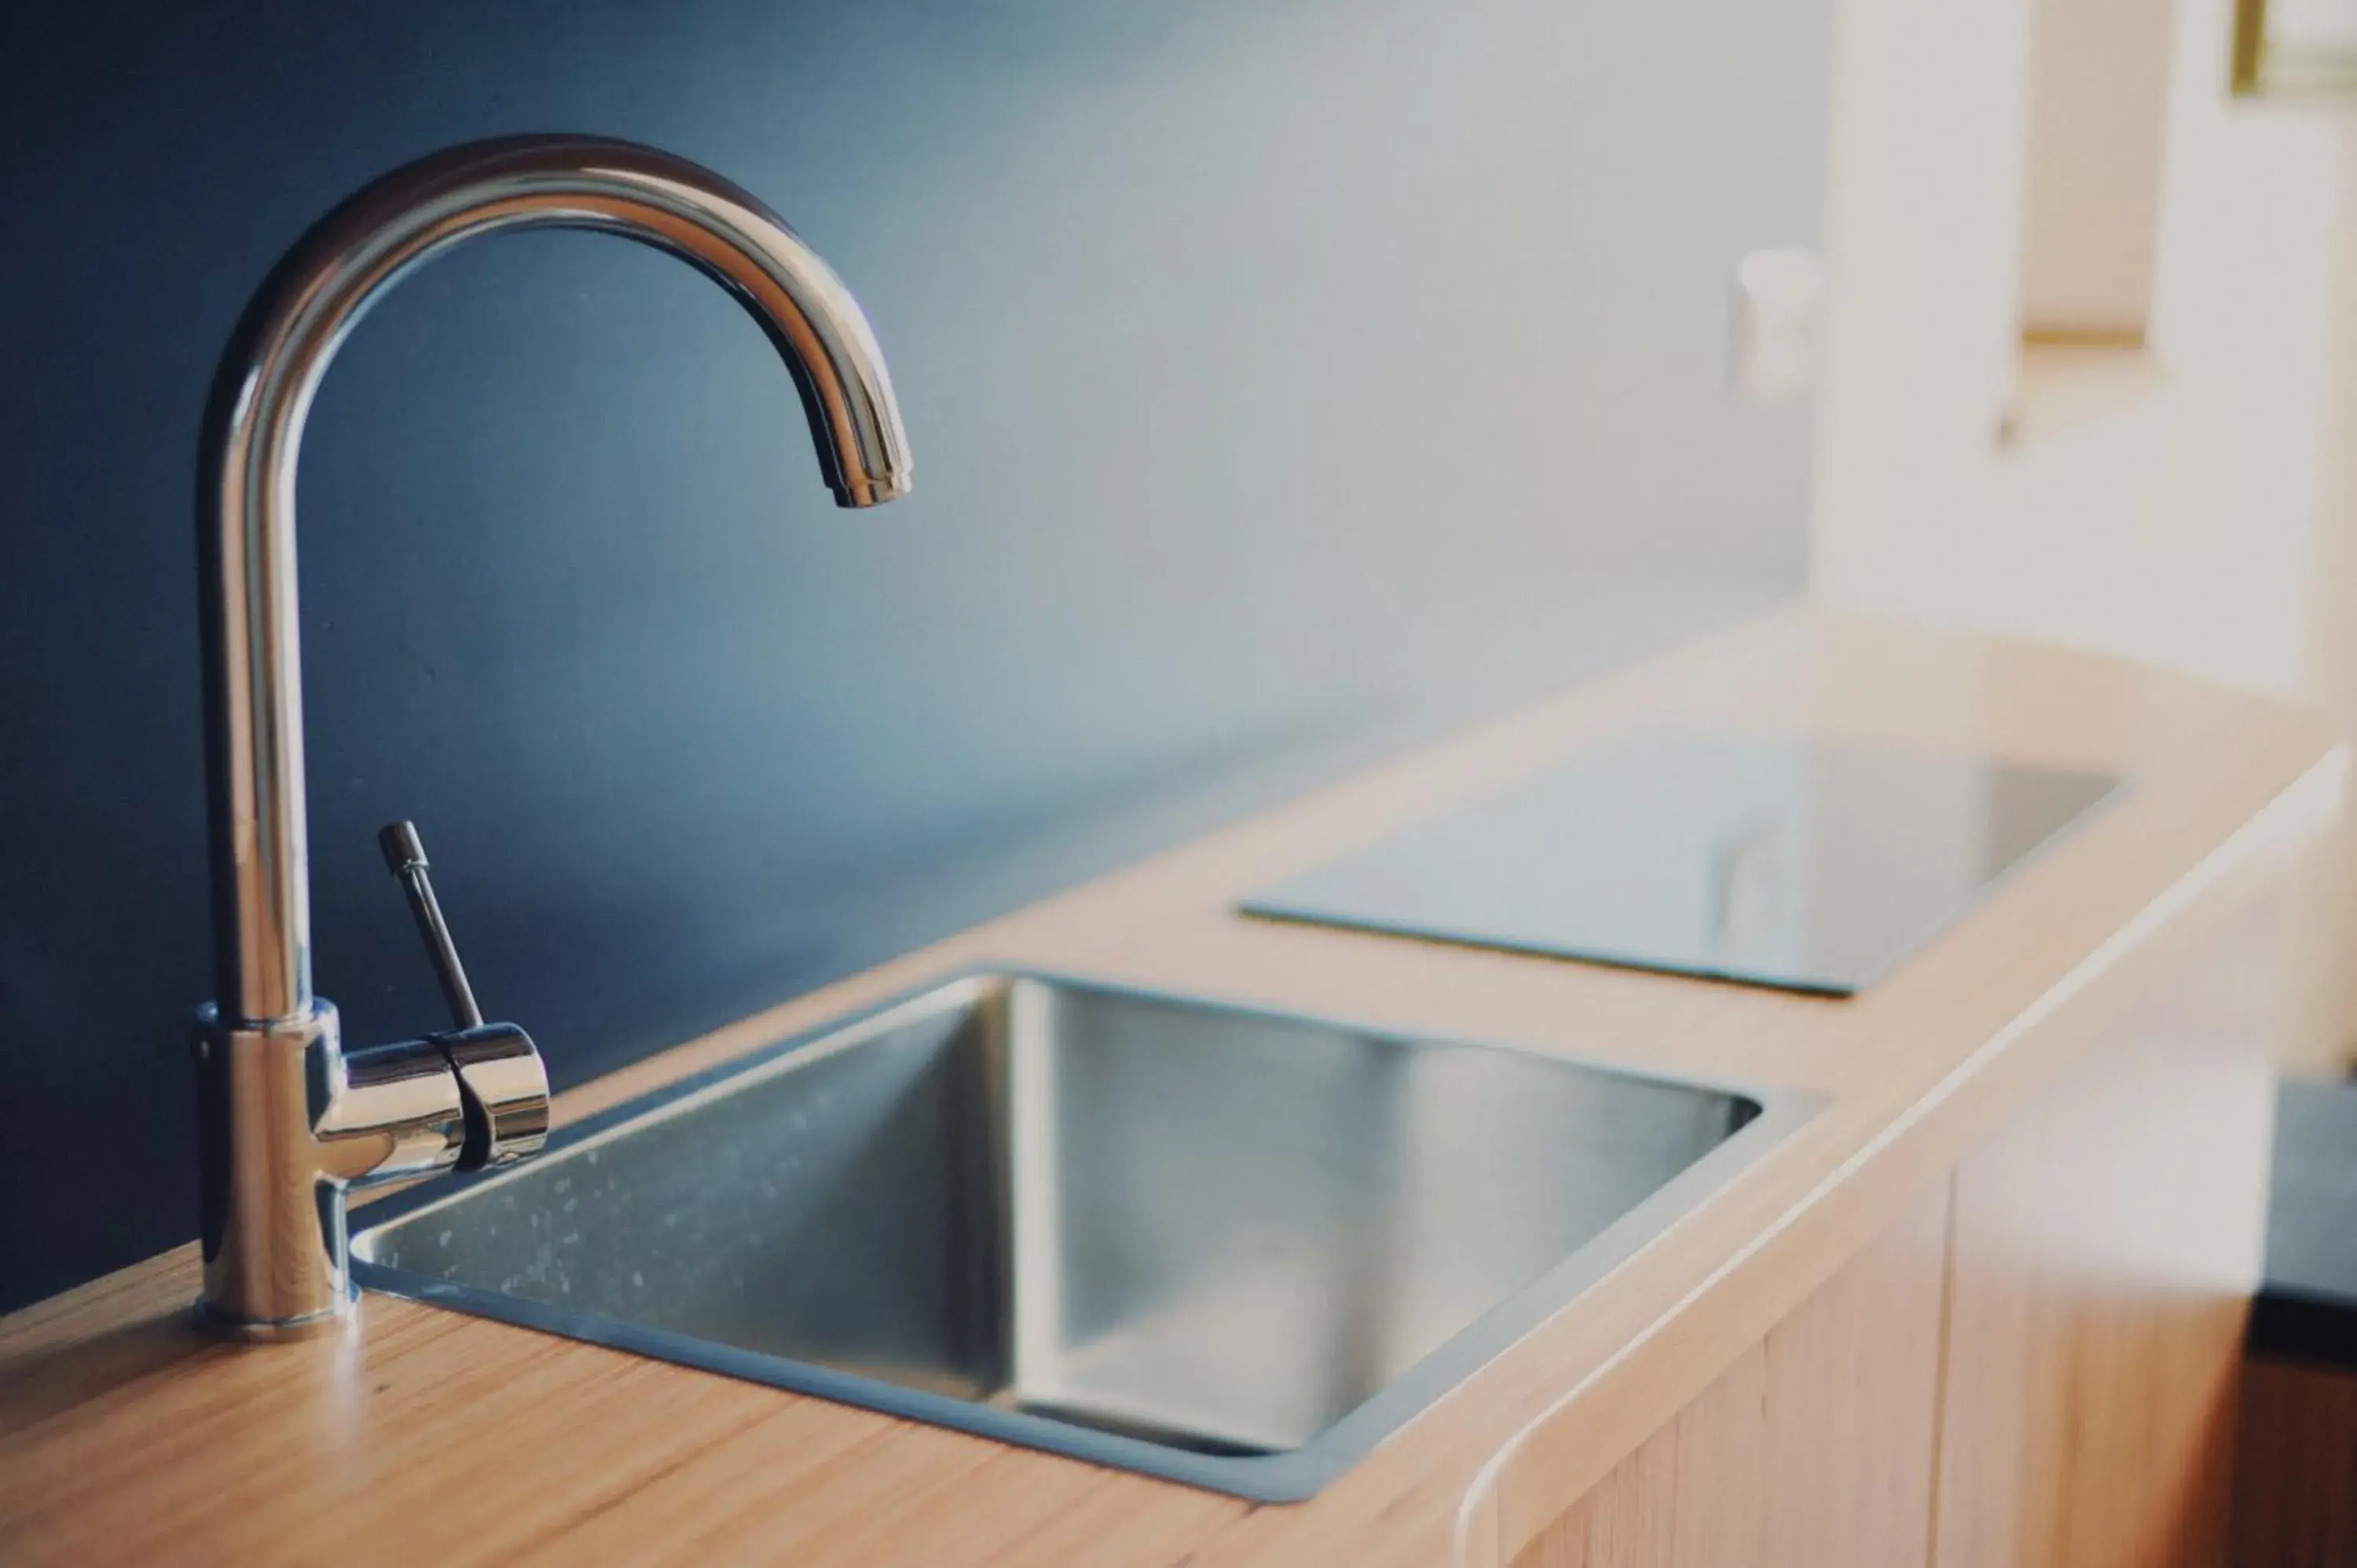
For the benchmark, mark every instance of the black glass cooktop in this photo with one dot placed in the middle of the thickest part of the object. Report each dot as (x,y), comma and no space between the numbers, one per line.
(1804,864)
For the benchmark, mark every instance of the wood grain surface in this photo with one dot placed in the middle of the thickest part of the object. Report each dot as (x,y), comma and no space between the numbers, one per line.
(1814,1450)
(2295,1487)
(2107,1243)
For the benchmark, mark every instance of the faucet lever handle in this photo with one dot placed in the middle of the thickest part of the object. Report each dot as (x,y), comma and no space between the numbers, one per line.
(404,853)
(503,1084)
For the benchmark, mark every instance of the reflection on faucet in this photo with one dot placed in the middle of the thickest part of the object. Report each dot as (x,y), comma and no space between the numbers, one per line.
(288,1119)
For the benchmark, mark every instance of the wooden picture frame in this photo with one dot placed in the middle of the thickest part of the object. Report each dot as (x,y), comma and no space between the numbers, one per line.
(2314,59)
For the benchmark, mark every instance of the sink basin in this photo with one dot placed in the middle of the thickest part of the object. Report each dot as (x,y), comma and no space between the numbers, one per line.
(1230,1247)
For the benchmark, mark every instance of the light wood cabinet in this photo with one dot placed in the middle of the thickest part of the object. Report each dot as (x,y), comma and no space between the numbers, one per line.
(2035,1366)
(1813,1450)
(2104,1248)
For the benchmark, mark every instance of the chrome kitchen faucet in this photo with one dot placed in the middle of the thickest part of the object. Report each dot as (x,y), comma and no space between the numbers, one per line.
(288,1119)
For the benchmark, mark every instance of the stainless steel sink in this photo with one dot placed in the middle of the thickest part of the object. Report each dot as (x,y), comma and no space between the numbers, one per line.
(1231,1247)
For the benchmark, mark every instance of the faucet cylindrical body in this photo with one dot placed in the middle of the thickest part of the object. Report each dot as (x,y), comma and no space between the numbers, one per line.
(264,1158)
(286,1120)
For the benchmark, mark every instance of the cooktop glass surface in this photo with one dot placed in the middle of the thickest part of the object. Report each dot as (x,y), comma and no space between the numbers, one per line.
(1797,864)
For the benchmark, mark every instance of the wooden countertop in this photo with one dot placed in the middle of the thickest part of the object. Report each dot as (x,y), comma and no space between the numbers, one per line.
(426,1437)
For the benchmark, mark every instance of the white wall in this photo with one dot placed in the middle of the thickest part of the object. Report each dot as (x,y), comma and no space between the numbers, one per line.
(2208,522)
(2182,528)
(2100,71)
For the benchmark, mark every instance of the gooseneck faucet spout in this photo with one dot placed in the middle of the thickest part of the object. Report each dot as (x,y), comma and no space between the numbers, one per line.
(288,1119)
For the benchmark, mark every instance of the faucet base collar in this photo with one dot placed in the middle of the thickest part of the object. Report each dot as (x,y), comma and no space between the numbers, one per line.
(251,1331)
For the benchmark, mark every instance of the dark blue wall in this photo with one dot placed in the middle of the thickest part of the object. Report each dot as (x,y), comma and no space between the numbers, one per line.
(1285,380)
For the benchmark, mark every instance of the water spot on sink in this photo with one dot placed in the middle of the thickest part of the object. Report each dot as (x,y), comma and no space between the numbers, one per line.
(637,1279)
(444,1240)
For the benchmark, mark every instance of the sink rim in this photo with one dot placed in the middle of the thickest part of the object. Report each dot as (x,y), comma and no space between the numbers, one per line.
(1287,1476)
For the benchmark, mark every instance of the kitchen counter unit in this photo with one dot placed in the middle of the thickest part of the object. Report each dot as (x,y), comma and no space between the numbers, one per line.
(1988,1302)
